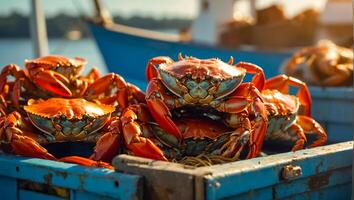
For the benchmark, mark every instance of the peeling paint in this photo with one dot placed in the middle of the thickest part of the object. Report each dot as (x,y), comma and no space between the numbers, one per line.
(48,178)
(62,174)
(319,181)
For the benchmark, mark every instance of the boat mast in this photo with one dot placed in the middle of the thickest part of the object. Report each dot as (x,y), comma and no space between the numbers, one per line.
(38,30)
(102,14)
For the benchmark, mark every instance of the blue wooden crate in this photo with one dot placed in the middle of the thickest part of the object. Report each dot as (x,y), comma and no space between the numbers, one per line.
(333,108)
(319,173)
(30,178)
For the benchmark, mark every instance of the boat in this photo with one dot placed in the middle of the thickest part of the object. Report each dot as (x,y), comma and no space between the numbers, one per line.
(126,50)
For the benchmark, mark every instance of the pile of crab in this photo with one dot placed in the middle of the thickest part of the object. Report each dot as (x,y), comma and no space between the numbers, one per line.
(324,64)
(195,111)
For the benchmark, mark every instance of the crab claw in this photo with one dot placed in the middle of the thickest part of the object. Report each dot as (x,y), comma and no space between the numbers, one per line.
(100,86)
(107,146)
(21,142)
(151,71)
(53,82)
(259,79)
(21,79)
(136,93)
(159,109)
(133,119)
(85,162)
(282,83)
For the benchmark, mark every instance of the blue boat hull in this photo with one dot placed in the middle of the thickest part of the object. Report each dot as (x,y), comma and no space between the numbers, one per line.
(128,54)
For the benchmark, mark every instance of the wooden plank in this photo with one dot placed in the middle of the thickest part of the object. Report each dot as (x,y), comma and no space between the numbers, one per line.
(164,180)
(78,195)
(341,191)
(93,180)
(232,179)
(28,195)
(235,178)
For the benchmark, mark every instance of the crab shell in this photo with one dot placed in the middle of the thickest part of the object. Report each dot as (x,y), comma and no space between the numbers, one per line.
(199,80)
(201,135)
(70,68)
(282,109)
(67,119)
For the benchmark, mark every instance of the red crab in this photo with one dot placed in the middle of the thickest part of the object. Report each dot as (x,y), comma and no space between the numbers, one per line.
(57,120)
(58,76)
(285,121)
(213,86)
(145,138)
(47,76)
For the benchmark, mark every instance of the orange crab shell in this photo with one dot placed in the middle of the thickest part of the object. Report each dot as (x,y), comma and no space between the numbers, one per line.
(51,61)
(67,67)
(70,108)
(201,128)
(68,119)
(202,68)
(284,103)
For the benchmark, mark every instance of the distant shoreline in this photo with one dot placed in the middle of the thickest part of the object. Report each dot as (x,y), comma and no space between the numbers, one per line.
(61,26)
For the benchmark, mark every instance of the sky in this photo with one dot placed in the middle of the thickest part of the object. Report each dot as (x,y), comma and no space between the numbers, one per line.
(152,8)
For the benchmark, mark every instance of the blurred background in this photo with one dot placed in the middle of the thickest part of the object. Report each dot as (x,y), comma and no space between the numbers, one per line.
(67,31)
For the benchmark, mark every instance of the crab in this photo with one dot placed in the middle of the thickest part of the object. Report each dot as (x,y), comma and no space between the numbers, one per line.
(211,85)
(286,122)
(202,136)
(47,76)
(58,76)
(57,120)
(61,111)
(325,64)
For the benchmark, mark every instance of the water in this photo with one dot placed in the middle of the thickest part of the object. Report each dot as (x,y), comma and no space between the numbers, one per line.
(17,50)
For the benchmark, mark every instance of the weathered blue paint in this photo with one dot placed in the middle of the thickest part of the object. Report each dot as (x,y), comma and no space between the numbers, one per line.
(102,182)
(8,187)
(333,108)
(128,54)
(322,168)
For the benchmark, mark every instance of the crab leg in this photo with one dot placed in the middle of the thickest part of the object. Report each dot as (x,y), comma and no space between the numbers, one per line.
(309,125)
(282,83)
(136,93)
(340,73)
(155,99)
(85,162)
(22,141)
(107,146)
(255,129)
(21,80)
(239,138)
(100,87)
(53,82)
(301,138)
(134,131)
(259,79)
(151,71)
